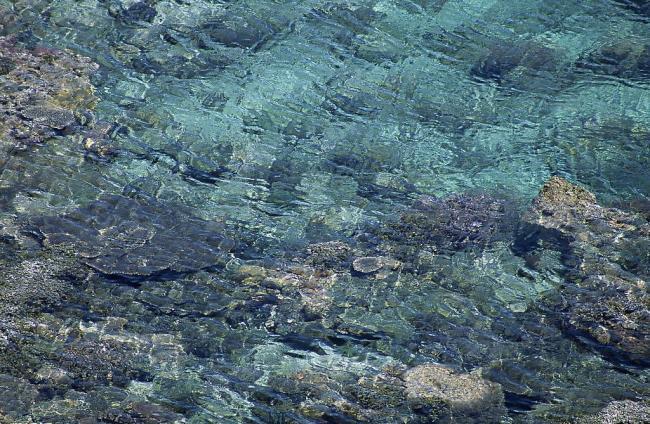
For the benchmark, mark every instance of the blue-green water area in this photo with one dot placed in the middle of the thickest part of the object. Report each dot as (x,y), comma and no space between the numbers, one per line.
(247,211)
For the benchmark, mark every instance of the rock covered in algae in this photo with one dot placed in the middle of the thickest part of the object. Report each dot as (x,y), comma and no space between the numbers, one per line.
(328,254)
(34,283)
(41,92)
(469,398)
(119,235)
(16,396)
(53,366)
(458,222)
(606,302)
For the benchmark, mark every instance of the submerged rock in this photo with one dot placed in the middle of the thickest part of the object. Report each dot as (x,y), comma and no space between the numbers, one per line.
(30,290)
(140,11)
(41,92)
(624,59)
(141,412)
(523,65)
(328,254)
(370,264)
(455,223)
(243,30)
(606,302)
(468,398)
(367,265)
(122,236)
(641,7)
(34,283)
(16,396)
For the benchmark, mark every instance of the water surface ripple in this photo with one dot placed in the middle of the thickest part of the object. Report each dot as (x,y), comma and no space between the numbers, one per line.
(324,211)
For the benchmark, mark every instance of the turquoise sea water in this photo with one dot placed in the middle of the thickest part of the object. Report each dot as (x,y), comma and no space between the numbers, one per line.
(258,129)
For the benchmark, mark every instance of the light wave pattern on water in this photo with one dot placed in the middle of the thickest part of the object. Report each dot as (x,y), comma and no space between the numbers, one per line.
(324,211)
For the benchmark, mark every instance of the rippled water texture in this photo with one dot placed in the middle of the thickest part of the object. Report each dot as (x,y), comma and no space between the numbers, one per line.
(418,211)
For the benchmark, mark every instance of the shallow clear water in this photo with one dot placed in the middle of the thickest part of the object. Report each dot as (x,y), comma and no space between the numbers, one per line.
(257,129)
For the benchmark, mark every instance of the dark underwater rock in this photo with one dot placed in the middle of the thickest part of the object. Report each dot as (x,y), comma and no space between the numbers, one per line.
(606,304)
(641,7)
(458,222)
(41,91)
(624,59)
(16,396)
(503,57)
(122,236)
(140,11)
(6,65)
(91,362)
(243,30)
(500,60)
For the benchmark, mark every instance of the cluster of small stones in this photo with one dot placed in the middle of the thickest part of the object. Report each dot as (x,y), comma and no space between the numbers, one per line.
(605,250)
(45,93)
(426,393)
(620,412)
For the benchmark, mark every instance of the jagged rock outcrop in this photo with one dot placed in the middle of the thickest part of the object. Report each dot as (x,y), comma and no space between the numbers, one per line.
(604,300)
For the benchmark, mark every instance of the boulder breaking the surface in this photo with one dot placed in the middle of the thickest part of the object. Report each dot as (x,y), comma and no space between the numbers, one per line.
(119,235)
(605,301)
